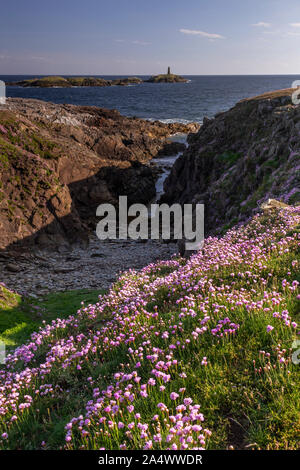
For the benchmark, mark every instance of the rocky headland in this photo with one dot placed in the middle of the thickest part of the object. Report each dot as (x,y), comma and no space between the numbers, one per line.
(239,159)
(59,162)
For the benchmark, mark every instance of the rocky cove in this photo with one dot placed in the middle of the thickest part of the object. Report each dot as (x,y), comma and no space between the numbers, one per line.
(58,163)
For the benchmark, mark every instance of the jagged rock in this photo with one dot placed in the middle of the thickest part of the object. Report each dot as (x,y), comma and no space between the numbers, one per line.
(171,148)
(239,159)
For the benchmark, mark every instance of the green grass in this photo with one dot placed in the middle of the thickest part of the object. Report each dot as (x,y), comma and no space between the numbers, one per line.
(19,317)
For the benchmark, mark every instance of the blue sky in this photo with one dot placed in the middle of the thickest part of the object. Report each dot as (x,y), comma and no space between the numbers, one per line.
(145,36)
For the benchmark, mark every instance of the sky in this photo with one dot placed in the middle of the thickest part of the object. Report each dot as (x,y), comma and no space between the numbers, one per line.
(143,37)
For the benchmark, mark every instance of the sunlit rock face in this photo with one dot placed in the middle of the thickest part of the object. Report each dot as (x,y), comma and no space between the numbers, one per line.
(240,159)
(59,162)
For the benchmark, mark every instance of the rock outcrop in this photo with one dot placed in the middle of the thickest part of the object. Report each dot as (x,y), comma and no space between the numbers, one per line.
(167,78)
(59,162)
(239,159)
(127,81)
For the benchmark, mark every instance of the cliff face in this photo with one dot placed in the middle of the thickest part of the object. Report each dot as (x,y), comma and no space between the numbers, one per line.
(239,159)
(59,162)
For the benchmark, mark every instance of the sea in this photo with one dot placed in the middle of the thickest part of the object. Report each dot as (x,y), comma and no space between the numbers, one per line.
(203,95)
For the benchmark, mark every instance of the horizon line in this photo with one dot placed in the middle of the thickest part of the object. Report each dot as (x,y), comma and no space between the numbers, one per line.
(147,74)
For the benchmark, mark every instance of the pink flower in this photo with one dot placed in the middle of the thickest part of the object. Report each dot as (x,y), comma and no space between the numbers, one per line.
(174,396)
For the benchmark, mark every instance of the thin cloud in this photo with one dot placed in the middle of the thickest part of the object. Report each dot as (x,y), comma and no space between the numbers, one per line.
(21,58)
(35,57)
(137,42)
(262,24)
(269,33)
(293,33)
(141,43)
(295,25)
(204,34)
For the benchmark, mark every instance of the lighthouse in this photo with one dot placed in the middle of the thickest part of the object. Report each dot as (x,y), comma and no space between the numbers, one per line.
(169,70)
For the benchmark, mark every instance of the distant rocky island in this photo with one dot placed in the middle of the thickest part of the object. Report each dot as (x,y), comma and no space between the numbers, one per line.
(167,78)
(67,82)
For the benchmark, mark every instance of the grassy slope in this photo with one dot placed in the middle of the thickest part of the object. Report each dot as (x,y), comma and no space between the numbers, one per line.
(21,317)
(248,394)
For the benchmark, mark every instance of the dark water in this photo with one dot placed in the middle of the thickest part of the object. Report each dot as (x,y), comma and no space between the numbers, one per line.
(202,96)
